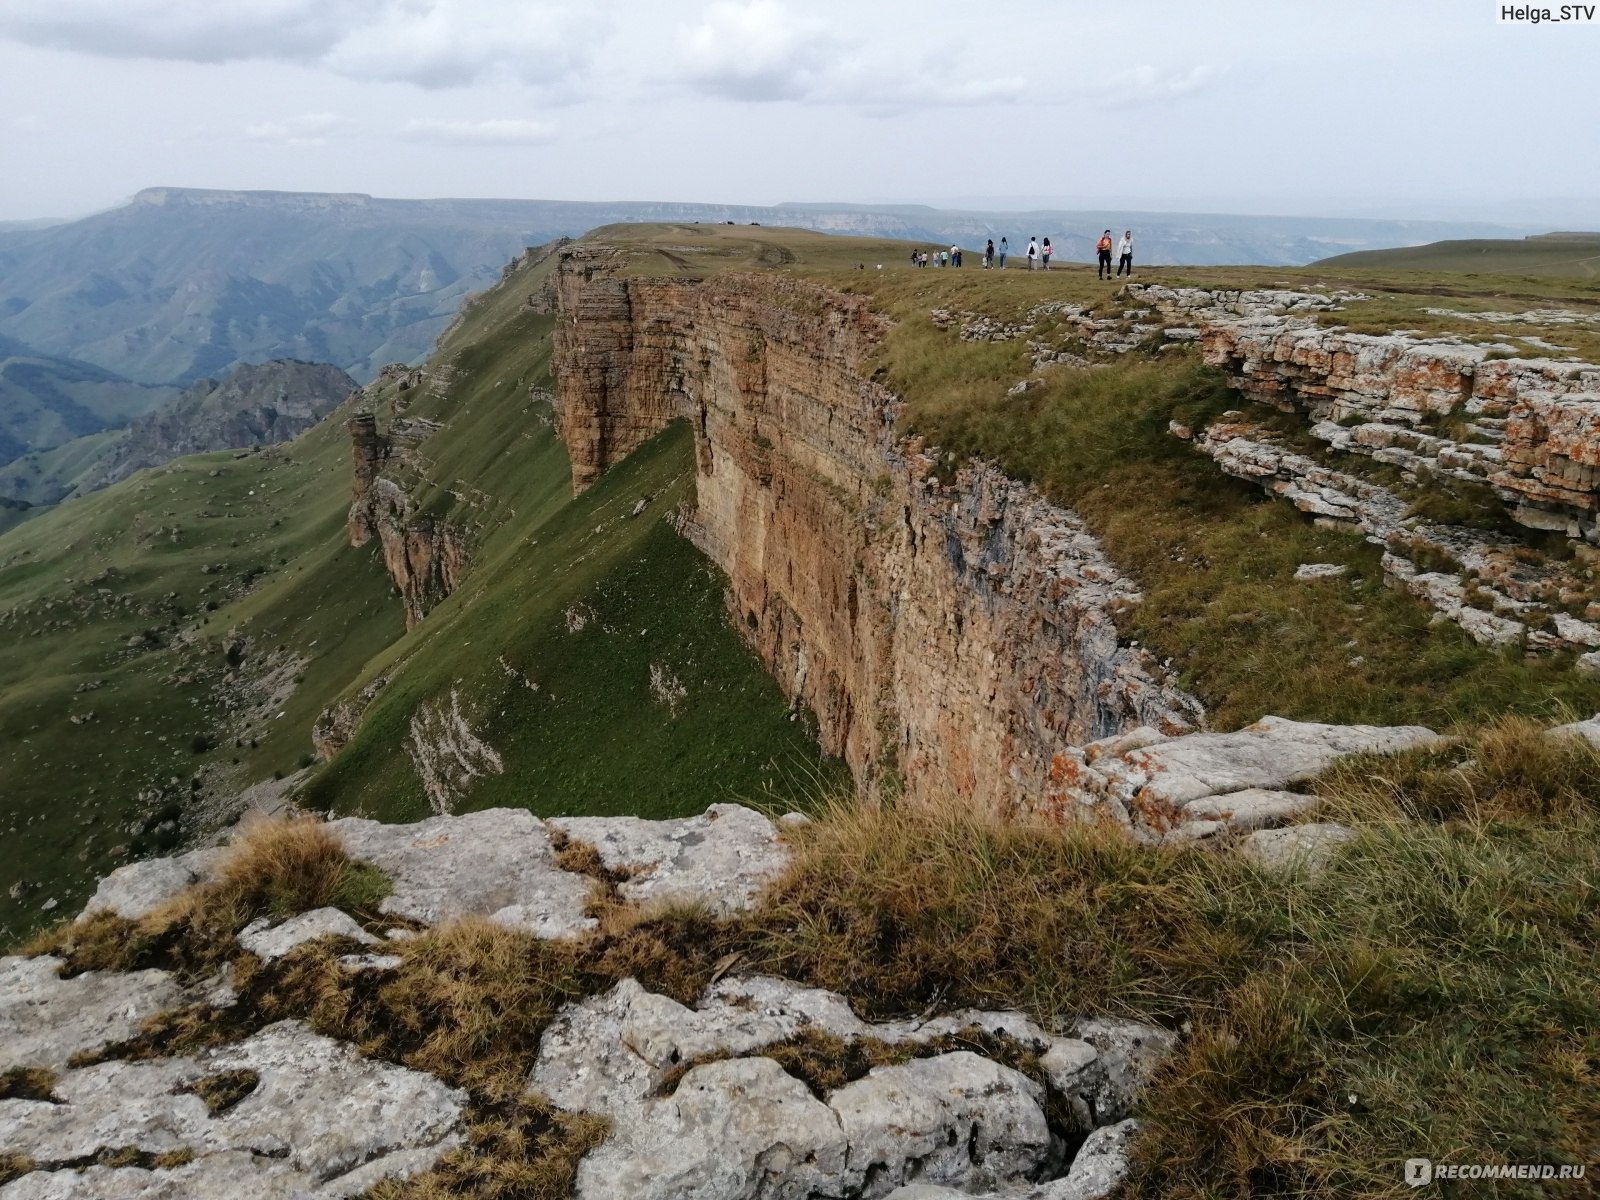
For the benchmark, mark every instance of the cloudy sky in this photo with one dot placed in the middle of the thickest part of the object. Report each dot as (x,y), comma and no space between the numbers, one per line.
(1431,107)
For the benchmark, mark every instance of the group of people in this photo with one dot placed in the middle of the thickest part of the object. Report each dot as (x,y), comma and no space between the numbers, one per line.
(1038,255)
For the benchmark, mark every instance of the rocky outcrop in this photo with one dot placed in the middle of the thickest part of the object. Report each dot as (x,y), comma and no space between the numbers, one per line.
(1205,784)
(695,1098)
(1526,427)
(736,1125)
(253,405)
(950,634)
(426,556)
(1495,587)
(500,863)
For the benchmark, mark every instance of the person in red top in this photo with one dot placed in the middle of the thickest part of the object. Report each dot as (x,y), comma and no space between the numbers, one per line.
(1103,252)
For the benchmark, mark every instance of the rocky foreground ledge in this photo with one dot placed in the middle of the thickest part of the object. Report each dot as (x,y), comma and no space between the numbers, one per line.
(694,1107)
(759,1087)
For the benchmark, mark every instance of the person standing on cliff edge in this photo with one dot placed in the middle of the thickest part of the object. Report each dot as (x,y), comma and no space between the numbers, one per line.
(1033,253)
(1102,251)
(1003,251)
(1125,253)
(988,254)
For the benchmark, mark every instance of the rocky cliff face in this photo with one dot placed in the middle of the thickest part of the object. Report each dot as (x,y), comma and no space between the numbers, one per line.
(951,635)
(258,405)
(425,556)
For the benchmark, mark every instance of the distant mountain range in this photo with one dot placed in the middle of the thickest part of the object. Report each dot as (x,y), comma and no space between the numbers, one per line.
(181,284)
(256,404)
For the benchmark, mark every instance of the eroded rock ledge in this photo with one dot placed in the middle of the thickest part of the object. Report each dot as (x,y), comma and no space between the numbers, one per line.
(425,557)
(950,635)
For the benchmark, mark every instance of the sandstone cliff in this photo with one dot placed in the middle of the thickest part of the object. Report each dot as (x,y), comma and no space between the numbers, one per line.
(425,556)
(951,636)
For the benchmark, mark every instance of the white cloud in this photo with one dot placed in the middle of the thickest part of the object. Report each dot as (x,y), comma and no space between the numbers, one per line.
(1147,85)
(499,132)
(758,50)
(26,123)
(311,129)
(432,43)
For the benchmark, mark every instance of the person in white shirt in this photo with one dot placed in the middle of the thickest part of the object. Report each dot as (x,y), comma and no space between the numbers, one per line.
(1033,254)
(1125,253)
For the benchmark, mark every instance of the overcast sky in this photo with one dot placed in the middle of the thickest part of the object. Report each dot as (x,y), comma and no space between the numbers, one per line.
(1426,107)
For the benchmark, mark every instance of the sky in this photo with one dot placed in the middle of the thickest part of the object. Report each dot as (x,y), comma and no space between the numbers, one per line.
(1430,108)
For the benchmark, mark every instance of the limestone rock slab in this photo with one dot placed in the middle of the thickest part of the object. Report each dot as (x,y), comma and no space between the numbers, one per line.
(138,889)
(957,1118)
(497,863)
(45,1019)
(734,1130)
(320,1121)
(1297,848)
(268,941)
(723,857)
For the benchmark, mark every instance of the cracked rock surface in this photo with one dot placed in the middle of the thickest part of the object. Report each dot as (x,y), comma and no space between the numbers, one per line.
(320,1121)
(45,1020)
(737,1125)
(722,857)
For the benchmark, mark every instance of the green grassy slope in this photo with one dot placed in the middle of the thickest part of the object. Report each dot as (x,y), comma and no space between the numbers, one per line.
(1575,257)
(590,735)
(145,611)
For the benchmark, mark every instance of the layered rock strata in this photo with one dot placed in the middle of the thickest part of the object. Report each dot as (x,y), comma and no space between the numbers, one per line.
(425,556)
(1529,428)
(1493,586)
(949,634)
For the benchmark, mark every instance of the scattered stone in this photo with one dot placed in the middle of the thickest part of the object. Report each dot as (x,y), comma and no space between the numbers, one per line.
(1299,847)
(268,941)
(1309,571)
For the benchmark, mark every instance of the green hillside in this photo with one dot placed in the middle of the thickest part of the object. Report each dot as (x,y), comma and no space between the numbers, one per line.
(172,639)
(1567,256)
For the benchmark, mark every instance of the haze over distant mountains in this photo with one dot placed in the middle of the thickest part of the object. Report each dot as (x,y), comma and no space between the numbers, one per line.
(102,316)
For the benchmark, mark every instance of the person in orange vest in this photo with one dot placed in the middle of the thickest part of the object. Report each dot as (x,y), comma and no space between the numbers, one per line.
(1103,252)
